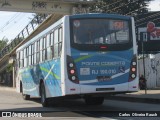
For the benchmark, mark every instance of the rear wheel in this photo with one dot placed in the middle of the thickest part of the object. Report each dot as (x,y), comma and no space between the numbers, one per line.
(89,100)
(44,100)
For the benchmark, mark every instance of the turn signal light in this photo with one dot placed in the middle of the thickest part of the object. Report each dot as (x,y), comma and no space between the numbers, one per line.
(71,70)
(133,69)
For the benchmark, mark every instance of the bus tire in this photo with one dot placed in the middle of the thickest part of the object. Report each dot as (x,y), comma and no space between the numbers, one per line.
(25,97)
(44,100)
(94,100)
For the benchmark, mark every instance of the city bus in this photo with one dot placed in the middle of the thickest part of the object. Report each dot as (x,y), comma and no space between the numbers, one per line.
(87,56)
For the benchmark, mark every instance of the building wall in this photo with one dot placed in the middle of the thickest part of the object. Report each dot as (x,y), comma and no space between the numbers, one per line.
(152,71)
(6,79)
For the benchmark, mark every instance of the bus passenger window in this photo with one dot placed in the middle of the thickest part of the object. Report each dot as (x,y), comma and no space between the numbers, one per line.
(21,59)
(47,50)
(59,48)
(60,34)
(41,56)
(48,53)
(41,44)
(37,57)
(52,51)
(37,54)
(52,38)
(30,53)
(55,36)
(25,58)
(17,60)
(60,41)
(56,50)
(56,43)
(44,42)
(51,45)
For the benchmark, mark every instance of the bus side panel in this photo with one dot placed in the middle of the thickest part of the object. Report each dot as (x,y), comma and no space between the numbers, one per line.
(63,54)
(18,80)
(29,83)
(50,73)
(134,85)
(69,86)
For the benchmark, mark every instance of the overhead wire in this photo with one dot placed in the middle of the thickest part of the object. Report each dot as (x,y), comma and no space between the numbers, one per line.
(10,20)
(16,21)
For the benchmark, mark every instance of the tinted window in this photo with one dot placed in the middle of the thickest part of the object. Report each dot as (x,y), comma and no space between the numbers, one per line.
(100,31)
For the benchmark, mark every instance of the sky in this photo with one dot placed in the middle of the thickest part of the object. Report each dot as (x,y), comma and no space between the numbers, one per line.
(12,23)
(155,5)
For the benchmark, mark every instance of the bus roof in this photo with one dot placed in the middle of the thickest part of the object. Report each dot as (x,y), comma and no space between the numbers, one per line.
(101,15)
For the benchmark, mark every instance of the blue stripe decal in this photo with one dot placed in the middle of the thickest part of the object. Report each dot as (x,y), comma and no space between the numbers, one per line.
(47,71)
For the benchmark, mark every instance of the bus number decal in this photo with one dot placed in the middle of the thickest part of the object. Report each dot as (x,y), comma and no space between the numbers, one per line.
(118,25)
(84,71)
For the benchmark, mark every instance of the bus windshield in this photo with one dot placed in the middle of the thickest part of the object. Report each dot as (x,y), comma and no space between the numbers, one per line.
(100,31)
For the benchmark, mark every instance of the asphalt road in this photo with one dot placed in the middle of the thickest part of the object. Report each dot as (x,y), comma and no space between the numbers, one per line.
(69,109)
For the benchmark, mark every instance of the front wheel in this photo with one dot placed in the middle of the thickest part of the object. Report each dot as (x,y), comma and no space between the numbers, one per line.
(44,100)
(94,100)
(25,97)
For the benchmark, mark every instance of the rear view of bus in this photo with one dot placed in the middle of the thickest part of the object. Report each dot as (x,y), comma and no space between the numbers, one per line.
(101,56)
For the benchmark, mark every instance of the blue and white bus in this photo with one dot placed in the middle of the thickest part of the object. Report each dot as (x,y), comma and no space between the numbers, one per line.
(88,55)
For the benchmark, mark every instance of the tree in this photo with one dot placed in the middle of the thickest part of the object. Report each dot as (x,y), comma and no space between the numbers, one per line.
(3,43)
(39,18)
(124,7)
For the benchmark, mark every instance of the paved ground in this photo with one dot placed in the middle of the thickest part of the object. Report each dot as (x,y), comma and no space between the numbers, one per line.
(76,109)
(149,96)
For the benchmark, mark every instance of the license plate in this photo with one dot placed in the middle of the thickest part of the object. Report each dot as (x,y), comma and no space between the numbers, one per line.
(103,78)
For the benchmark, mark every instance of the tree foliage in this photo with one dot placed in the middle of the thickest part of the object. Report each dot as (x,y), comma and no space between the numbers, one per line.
(39,18)
(3,43)
(124,7)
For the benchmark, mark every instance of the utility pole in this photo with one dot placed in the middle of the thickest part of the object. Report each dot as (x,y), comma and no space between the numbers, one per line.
(143,37)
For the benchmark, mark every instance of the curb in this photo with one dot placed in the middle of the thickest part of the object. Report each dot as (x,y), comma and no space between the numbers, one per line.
(8,88)
(135,99)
